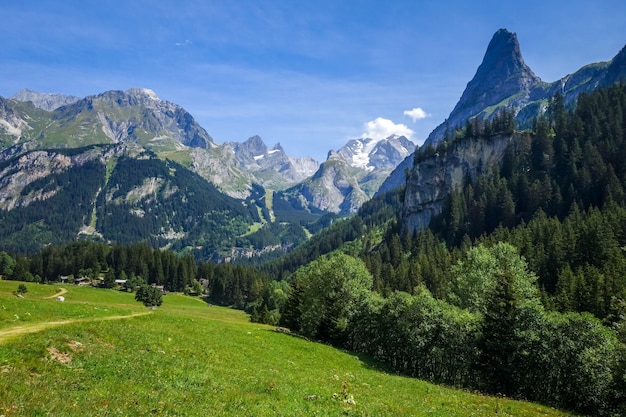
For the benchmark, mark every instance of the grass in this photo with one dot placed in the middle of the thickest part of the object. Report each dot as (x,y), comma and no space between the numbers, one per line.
(190,359)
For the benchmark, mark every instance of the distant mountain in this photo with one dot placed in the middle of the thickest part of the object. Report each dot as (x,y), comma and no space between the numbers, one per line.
(371,154)
(44,101)
(272,167)
(350,176)
(333,188)
(135,115)
(138,115)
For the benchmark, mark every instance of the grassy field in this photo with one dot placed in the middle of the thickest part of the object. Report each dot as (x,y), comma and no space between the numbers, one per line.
(100,353)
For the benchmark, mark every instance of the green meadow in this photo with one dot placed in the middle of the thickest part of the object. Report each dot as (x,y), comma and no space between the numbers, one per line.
(101,353)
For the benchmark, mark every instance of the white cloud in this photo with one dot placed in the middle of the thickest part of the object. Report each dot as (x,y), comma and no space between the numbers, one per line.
(416,114)
(186,43)
(383,128)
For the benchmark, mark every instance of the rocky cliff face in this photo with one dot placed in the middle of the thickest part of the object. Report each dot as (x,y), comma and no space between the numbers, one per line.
(432,180)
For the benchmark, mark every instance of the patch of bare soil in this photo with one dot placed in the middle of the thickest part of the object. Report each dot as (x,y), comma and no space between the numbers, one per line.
(75,345)
(59,356)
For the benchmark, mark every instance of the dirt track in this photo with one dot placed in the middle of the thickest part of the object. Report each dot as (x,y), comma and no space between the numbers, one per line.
(61,292)
(37,327)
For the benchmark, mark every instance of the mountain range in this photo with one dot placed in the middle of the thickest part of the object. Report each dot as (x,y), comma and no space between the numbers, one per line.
(48,142)
(61,150)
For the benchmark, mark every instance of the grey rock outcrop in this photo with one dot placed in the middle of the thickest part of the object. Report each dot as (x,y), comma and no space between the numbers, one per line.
(432,180)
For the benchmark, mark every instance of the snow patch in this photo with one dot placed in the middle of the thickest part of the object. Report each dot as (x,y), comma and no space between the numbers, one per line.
(361,149)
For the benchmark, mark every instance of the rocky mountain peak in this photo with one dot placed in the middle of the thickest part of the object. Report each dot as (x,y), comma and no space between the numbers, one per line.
(501,74)
(374,154)
(255,146)
(503,57)
(142,92)
(503,79)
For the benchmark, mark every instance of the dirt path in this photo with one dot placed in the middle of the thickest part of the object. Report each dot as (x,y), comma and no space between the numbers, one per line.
(37,327)
(61,292)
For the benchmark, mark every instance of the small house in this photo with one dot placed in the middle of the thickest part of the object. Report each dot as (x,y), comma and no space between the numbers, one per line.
(84,280)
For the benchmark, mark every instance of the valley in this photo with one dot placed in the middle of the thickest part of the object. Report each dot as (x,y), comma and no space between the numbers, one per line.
(490,259)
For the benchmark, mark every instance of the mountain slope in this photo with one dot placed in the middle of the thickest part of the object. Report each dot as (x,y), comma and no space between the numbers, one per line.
(120,193)
(138,115)
(504,81)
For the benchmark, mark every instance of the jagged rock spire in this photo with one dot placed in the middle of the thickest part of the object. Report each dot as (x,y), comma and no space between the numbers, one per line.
(502,75)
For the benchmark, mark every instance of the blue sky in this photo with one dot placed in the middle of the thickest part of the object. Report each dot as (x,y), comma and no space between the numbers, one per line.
(308,74)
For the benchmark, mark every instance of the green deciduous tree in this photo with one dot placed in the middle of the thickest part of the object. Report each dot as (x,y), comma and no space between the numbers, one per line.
(7,263)
(476,276)
(150,296)
(331,289)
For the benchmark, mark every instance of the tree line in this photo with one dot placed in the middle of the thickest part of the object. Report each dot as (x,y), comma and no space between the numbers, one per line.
(492,333)
(224,284)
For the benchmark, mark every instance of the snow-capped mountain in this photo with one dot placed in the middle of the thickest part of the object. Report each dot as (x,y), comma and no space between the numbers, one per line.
(373,154)
(350,175)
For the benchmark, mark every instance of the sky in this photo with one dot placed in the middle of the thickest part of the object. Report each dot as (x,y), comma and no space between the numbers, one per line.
(309,75)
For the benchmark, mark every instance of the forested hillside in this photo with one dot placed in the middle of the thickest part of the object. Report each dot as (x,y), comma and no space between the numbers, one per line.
(518,286)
